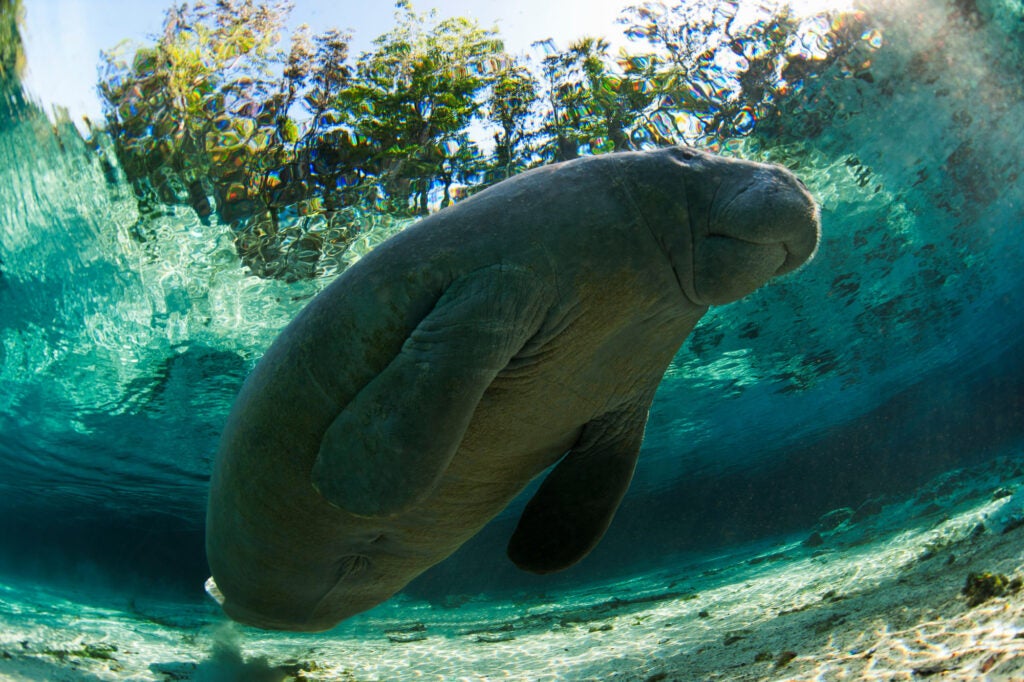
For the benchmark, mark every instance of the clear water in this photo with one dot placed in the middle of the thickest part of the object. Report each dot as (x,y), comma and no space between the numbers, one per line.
(893,358)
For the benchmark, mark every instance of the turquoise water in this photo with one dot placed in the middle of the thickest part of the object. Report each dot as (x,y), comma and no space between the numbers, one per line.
(894,356)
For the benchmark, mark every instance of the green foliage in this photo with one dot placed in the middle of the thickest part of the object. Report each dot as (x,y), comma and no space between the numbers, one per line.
(510,109)
(573,79)
(202,113)
(597,103)
(12,55)
(980,587)
(715,79)
(216,109)
(295,147)
(412,101)
(200,103)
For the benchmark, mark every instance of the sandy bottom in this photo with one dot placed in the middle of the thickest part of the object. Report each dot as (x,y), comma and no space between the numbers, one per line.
(871,594)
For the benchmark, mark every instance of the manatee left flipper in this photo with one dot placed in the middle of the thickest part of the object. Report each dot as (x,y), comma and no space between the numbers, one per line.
(387,448)
(575,504)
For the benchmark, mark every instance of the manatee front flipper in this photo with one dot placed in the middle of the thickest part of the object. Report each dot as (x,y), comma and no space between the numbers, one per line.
(388,447)
(576,502)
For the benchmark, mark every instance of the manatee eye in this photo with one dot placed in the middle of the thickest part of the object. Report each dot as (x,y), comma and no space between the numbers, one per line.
(687,153)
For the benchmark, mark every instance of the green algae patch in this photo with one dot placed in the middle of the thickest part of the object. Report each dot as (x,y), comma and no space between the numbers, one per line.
(980,587)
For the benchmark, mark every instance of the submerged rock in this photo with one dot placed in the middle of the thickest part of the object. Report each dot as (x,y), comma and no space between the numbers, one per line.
(785,658)
(869,508)
(834,519)
(814,540)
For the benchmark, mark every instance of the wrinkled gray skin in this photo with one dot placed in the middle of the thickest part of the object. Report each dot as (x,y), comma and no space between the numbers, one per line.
(409,402)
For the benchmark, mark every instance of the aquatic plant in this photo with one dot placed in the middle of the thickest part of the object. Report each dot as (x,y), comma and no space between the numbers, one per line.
(980,587)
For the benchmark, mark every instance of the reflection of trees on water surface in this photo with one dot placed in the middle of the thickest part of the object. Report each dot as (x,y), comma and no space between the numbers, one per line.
(295,145)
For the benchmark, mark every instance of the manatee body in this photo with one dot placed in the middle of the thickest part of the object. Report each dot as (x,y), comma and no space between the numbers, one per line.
(418,394)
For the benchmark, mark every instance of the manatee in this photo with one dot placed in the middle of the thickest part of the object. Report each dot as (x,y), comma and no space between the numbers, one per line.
(409,402)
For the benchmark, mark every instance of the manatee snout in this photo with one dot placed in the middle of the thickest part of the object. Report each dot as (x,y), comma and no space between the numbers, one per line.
(763,223)
(772,206)
(793,214)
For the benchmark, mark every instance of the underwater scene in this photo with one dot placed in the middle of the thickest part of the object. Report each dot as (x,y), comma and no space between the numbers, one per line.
(461,251)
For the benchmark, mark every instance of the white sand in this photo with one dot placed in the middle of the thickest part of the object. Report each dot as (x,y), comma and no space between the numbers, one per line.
(879,599)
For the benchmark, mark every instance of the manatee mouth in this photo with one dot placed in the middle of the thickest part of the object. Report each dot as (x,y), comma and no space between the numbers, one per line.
(790,258)
(795,257)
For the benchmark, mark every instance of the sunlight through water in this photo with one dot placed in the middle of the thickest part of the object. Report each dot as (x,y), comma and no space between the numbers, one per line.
(826,463)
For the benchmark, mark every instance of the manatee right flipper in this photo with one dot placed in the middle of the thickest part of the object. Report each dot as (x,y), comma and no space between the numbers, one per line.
(390,444)
(575,504)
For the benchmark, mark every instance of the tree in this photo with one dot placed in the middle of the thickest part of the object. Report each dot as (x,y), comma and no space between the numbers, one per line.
(725,76)
(565,103)
(412,101)
(294,146)
(206,111)
(12,54)
(594,103)
(510,108)
(200,104)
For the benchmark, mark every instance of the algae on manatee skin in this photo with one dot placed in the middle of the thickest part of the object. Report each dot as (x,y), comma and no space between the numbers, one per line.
(980,587)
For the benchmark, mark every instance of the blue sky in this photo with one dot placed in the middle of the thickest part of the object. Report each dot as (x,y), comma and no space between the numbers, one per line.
(64,37)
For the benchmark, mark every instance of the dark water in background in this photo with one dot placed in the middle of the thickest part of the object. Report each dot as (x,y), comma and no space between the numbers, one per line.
(895,355)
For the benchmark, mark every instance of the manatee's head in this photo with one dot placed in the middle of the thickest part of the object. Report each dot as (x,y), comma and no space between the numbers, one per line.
(748,222)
